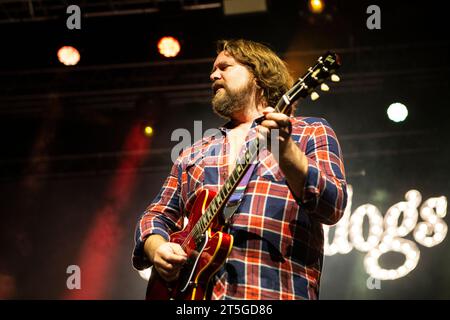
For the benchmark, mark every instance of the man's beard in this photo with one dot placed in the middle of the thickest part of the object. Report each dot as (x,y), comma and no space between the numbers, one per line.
(228,102)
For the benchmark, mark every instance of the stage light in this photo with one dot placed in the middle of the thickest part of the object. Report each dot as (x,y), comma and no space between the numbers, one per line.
(316,6)
(148,130)
(340,243)
(397,112)
(68,55)
(386,234)
(375,227)
(402,246)
(232,7)
(393,241)
(410,215)
(169,47)
(433,230)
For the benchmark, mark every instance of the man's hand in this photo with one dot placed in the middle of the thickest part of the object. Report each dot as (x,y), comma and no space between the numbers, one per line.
(167,257)
(274,120)
(292,160)
(168,260)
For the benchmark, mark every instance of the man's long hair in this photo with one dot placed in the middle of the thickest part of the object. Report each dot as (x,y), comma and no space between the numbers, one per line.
(271,73)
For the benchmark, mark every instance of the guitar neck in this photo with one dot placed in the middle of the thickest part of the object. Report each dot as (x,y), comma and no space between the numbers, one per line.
(242,166)
(219,201)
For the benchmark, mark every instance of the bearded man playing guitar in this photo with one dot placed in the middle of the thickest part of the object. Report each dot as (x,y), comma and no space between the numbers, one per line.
(271,246)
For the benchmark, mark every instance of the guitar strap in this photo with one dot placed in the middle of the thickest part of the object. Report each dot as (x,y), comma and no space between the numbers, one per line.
(236,198)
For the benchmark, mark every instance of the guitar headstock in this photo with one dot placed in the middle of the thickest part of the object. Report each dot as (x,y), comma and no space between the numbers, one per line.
(324,69)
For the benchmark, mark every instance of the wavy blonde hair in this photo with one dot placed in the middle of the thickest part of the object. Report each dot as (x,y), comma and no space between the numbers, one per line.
(271,73)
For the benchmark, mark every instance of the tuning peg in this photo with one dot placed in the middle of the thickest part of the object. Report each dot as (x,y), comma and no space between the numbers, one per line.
(314,96)
(324,87)
(335,78)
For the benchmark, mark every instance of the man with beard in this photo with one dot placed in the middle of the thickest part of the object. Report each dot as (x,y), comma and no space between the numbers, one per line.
(277,227)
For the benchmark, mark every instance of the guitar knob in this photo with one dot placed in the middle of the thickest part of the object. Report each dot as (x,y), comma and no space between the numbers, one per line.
(314,96)
(335,78)
(324,87)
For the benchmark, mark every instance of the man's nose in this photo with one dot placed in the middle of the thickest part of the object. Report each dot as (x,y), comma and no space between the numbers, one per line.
(215,75)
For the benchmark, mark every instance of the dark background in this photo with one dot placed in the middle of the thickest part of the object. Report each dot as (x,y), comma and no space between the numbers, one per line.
(75,177)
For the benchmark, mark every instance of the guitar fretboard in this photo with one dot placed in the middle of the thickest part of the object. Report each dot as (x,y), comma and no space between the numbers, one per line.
(229,186)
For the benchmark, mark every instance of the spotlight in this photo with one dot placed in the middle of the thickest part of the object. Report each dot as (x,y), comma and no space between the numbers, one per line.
(316,6)
(397,112)
(169,47)
(148,131)
(68,55)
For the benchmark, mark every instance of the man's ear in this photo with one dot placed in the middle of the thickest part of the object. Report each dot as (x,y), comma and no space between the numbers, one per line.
(258,88)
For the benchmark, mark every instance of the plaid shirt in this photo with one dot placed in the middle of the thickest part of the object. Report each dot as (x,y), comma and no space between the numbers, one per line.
(278,239)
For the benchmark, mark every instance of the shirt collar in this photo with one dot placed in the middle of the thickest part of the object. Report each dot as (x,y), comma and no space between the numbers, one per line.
(225,128)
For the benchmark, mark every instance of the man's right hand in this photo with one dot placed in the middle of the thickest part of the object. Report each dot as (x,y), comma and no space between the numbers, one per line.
(167,257)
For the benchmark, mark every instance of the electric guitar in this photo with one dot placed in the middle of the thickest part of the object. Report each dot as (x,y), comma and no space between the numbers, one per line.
(203,239)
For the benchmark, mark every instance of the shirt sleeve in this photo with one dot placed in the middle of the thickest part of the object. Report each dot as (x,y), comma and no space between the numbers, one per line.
(163,216)
(325,192)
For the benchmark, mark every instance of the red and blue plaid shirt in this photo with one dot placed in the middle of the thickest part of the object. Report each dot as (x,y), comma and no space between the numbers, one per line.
(278,239)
